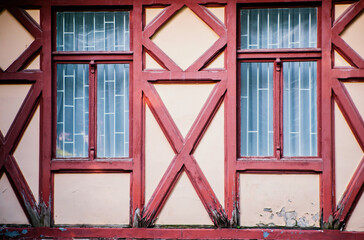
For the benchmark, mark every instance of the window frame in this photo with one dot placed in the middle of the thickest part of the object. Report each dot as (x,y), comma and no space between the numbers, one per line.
(92,59)
(278,56)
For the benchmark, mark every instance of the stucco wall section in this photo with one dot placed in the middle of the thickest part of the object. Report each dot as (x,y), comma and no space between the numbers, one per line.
(34,64)
(151,64)
(356,221)
(14,39)
(185,37)
(91,198)
(158,154)
(11,98)
(35,14)
(27,154)
(219,12)
(279,200)
(340,9)
(354,34)
(210,154)
(340,61)
(218,62)
(184,102)
(11,211)
(151,13)
(356,91)
(183,206)
(348,153)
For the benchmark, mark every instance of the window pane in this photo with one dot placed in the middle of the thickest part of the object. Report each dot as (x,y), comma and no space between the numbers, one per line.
(300,109)
(112,110)
(93,31)
(278,28)
(72,110)
(256,109)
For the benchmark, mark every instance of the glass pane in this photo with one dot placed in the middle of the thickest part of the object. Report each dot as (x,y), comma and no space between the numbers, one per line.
(72,110)
(278,28)
(112,110)
(300,109)
(93,31)
(256,109)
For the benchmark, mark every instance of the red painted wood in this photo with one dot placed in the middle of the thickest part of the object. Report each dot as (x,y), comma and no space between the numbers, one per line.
(186,233)
(181,76)
(25,57)
(277,53)
(298,166)
(349,111)
(92,56)
(351,195)
(347,52)
(112,3)
(347,73)
(92,68)
(345,19)
(20,77)
(87,166)
(230,118)
(26,21)
(136,103)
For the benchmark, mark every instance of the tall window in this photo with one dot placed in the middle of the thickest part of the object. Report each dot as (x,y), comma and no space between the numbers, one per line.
(278,83)
(92,64)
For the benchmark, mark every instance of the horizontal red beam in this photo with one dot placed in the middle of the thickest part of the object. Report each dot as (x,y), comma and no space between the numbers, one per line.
(345,73)
(275,53)
(22,76)
(180,75)
(181,233)
(85,165)
(280,165)
(96,56)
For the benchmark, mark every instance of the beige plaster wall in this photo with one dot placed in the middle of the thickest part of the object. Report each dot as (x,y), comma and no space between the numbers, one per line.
(354,34)
(279,200)
(209,154)
(11,211)
(356,91)
(35,14)
(11,98)
(158,154)
(184,38)
(340,9)
(14,39)
(356,221)
(218,12)
(348,153)
(151,64)
(34,64)
(92,198)
(183,206)
(218,62)
(184,102)
(27,154)
(340,61)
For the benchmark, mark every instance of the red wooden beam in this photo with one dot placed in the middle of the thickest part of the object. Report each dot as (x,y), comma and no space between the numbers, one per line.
(347,52)
(21,77)
(349,111)
(277,53)
(345,19)
(181,76)
(25,57)
(300,166)
(95,56)
(26,20)
(91,166)
(347,73)
(351,195)
(142,233)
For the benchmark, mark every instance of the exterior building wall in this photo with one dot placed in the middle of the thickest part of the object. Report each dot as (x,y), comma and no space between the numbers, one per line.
(183,170)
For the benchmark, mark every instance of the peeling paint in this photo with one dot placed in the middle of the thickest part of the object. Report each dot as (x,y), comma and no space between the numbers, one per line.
(24,231)
(12,234)
(265,234)
(62,229)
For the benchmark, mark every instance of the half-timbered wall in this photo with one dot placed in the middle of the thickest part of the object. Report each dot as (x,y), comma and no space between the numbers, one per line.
(182,173)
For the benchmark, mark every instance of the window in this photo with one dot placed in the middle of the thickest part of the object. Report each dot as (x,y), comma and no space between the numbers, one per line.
(279,83)
(92,65)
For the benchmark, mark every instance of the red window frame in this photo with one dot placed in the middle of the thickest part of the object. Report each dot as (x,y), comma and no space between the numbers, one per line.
(92,58)
(277,57)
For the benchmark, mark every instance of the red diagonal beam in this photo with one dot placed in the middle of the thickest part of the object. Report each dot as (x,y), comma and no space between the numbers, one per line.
(26,56)
(351,195)
(351,114)
(174,170)
(21,120)
(208,18)
(22,190)
(163,117)
(347,52)
(160,56)
(341,23)
(161,19)
(209,54)
(26,21)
